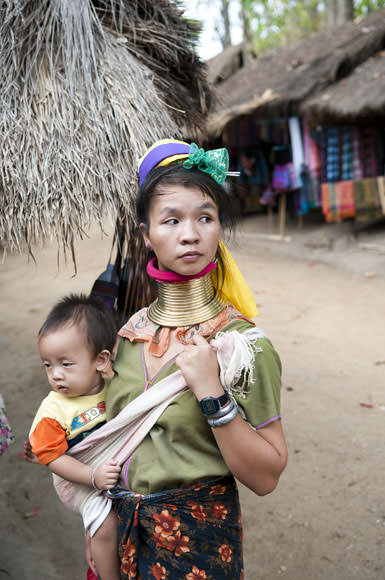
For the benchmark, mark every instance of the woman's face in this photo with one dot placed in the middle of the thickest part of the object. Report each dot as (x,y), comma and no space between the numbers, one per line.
(184,229)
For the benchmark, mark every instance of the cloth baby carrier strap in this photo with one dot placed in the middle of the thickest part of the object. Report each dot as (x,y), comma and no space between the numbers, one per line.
(118,438)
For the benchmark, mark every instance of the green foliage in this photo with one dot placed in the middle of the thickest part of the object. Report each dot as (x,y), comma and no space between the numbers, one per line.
(273,23)
(362,7)
(277,22)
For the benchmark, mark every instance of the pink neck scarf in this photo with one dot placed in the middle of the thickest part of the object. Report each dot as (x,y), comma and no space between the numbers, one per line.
(173,277)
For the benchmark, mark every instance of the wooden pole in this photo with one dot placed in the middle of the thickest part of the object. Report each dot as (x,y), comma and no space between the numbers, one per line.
(282,214)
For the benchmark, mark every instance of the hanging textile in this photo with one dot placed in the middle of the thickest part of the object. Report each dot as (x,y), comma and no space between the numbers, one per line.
(338,200)
(381,192)
(332,155)
(284,178)
(344,192)
(296,146)
(346,154)
(312,155)
(363,199)
(357,172)
(306,197)
(367,201)
(349,154)
(329,205)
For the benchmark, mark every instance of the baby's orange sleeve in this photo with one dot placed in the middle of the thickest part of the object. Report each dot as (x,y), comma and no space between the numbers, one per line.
(48,440)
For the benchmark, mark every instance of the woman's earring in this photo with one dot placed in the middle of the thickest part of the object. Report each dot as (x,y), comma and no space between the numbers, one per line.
(148,247)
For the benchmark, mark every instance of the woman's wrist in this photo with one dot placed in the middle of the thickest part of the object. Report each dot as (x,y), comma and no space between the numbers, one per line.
(224,416)
(209,391)
(219,411)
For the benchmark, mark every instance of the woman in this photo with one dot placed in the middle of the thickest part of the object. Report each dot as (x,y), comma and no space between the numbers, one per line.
(177,501)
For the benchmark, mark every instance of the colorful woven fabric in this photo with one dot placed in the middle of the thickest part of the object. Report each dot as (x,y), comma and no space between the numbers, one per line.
(313,162)
(139,328)
(367,200)
(381,192)
(338,200)
(332,155)
(182,534)
(347,154)
(6,434)
(357,172)
(344,193)
(329,204)
(268,197)
(284,178)
(325,199)
(350,153)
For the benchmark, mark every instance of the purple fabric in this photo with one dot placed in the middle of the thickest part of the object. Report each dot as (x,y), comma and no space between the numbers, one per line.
(268,421)
(157,155)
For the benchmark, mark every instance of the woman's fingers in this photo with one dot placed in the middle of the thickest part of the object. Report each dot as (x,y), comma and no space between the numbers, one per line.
(199,365)
(199,340)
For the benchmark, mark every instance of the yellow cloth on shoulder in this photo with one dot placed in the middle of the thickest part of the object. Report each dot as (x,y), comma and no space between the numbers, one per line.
(235,288)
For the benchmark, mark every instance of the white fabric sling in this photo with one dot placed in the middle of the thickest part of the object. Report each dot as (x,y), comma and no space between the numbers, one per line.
(118,438)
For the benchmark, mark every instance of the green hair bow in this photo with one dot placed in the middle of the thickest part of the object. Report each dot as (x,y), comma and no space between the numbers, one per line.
(214,162)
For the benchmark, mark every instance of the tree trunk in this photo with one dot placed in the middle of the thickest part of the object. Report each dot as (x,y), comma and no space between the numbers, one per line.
(331,6)
(344,11)
(246,21)
(226,36)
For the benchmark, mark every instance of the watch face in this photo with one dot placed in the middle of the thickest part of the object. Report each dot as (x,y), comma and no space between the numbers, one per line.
(209,406)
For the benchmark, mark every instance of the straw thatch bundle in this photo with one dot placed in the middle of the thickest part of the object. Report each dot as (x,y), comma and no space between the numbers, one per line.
(226,63)
(357,99)
(85,87)
(276,83)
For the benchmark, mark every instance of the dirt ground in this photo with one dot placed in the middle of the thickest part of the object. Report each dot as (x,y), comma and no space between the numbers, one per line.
(321,301)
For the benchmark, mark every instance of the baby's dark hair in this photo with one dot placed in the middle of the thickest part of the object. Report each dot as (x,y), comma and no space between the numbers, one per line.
(88,313)
(176,174)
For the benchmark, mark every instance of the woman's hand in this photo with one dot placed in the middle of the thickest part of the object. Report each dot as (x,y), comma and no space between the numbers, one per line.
(199,365)
(255,457)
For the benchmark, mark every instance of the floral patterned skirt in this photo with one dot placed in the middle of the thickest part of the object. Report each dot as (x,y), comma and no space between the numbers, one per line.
(192,533)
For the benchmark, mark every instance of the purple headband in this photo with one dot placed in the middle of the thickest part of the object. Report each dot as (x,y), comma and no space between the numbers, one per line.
(157,155)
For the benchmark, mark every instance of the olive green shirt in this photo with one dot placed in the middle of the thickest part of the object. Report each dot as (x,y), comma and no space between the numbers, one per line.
(180,448)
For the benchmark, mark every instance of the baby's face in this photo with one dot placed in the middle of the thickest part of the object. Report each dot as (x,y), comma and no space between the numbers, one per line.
(71,368)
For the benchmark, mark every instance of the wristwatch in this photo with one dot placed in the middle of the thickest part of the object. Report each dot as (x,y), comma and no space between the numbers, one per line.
(211,405)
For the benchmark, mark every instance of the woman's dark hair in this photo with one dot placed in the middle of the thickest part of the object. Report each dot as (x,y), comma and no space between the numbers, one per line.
(176,174)
(88,313)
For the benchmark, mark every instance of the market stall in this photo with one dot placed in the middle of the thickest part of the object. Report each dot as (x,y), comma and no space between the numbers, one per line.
(281,153)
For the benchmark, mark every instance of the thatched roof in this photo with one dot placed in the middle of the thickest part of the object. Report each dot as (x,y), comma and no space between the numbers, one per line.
(85,87)
(225,64)
(277,82)
(359,98)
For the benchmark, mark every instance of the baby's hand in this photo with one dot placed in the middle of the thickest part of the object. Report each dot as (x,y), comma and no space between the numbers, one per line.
(28,455)
(107,474)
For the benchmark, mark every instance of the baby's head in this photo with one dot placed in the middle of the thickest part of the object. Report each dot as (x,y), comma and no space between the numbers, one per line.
(75,344)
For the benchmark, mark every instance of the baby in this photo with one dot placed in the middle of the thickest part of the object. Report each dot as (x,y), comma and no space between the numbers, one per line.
(75,345)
